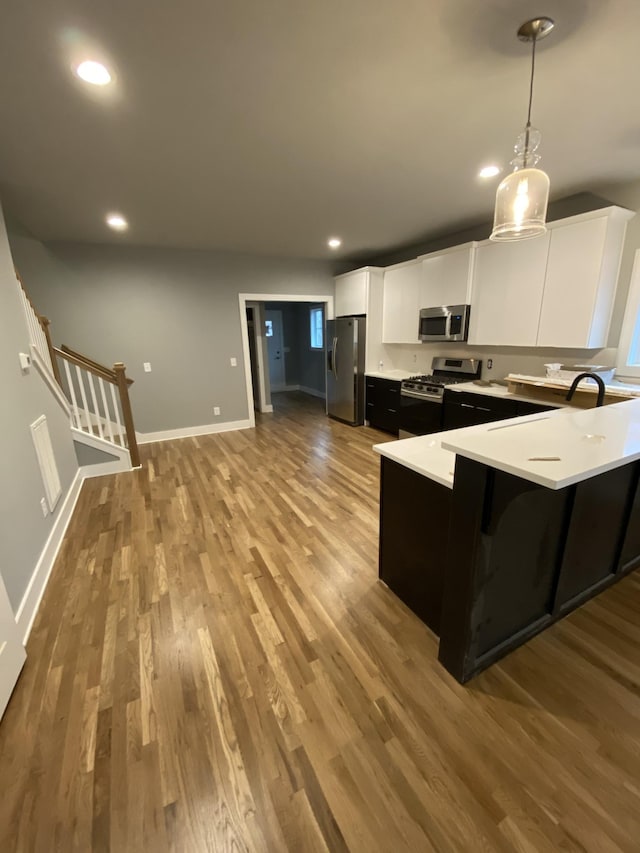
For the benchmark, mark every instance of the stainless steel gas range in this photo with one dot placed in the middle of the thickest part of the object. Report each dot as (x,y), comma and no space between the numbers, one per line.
(421,396)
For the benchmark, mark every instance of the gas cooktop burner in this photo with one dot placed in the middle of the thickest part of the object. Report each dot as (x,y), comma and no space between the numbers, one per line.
(430,379)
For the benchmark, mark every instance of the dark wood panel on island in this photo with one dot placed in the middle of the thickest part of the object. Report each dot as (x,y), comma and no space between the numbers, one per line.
(414,518)
(500,558)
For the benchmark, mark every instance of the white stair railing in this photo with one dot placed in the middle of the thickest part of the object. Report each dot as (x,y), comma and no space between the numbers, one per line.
(99,400)
(38,331)
(104,413)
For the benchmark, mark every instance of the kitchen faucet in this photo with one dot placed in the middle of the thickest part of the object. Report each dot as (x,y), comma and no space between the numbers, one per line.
(599,381)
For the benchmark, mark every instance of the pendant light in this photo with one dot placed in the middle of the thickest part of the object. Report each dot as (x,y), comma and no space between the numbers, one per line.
(522,197)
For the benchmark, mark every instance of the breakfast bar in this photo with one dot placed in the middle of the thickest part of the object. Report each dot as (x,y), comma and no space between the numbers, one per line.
(494,532)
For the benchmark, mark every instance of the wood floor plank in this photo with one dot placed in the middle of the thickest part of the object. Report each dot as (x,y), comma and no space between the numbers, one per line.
(215,666)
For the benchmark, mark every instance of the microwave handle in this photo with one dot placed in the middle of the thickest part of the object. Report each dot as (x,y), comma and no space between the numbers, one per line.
(448,325)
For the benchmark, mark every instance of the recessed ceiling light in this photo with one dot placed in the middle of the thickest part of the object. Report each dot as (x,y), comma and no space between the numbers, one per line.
(334,242)
(117,222)
(94,73)
(489,172)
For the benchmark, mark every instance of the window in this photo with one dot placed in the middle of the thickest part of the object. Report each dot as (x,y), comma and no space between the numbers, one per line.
(317,328)
(629,349)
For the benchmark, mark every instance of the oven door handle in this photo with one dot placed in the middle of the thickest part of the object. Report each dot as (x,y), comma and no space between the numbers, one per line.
(435,398)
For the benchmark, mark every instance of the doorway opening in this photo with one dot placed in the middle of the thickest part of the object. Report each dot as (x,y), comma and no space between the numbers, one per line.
(284,347)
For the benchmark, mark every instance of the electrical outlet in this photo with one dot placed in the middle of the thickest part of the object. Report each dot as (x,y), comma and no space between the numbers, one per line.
(234,362)
(44,507)
(147,366)
(216,410)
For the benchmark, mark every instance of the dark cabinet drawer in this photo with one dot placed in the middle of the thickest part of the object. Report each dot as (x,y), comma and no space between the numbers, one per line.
(462,409)
(525,408)
(382,403)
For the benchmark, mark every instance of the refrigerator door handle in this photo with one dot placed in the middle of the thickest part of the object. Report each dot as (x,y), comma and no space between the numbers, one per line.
(335,360)
(330,360)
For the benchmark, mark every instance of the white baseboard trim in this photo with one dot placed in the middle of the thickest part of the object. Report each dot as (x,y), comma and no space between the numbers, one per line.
(267,410)
(33,596)
(34,592)
(189,432)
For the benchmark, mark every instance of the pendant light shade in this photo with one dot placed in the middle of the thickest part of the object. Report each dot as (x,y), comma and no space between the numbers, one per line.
(522,197)
(521,205)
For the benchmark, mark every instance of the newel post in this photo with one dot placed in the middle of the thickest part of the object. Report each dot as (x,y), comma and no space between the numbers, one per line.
(44,325)
(127,415)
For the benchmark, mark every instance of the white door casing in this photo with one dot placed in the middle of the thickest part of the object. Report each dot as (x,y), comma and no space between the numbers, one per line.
(12,652)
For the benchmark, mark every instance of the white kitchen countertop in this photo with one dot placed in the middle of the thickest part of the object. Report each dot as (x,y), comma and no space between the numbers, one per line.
(588,442)
(397,375)
(424,455)
(495,391)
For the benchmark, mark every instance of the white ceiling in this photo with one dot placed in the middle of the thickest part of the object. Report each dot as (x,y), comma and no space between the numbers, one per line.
(270,125)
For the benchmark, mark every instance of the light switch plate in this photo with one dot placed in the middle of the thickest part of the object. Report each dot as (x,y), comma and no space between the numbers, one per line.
(147,366)
(234,362)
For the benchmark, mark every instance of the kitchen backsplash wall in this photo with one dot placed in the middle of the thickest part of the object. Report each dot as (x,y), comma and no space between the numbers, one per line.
(417,359)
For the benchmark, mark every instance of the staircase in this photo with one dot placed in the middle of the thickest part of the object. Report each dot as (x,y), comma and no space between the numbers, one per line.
(95,397)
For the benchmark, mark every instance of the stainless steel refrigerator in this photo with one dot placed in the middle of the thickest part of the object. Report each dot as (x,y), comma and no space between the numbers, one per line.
(345,369)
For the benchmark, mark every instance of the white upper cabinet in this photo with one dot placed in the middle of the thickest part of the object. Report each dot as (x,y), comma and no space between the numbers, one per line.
(507,292)
(401,303)
(352,290)
(580,284)
(553,291)
(447,276)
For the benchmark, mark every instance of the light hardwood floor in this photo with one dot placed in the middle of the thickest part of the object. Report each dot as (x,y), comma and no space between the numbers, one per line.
(216,668)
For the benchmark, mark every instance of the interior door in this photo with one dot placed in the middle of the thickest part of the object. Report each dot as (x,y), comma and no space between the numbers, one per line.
(12,652)
(273,332)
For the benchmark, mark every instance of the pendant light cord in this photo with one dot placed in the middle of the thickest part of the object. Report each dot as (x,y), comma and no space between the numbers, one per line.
(528,125)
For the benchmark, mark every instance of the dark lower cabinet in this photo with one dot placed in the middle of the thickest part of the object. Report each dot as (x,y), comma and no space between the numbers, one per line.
(383,403)
(525,408)
(412,560)
(463,409)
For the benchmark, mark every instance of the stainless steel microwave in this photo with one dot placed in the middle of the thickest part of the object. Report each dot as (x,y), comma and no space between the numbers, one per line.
(444,323)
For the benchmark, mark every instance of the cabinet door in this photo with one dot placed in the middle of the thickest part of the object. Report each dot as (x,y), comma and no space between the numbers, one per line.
(571,286)
(466,409)
(446,278)
(351,293)
(507,292)
(401,304)
(383,402)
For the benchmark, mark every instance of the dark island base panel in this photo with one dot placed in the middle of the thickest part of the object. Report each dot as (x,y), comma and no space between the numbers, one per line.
(414,519)
(521,556)
(499,559)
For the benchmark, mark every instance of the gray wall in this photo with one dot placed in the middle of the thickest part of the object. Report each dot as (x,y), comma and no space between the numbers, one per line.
(177,309)
(87,455)
(311,374)
(23,530)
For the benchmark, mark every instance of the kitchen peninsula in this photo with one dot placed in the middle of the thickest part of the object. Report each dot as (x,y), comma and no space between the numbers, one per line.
(492,533)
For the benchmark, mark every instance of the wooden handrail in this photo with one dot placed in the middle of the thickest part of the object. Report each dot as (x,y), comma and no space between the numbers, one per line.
(116,376)
(123,388)
(97,370)
(44,324)
(91,363)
